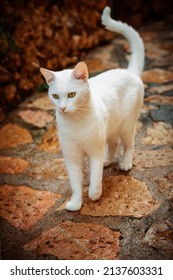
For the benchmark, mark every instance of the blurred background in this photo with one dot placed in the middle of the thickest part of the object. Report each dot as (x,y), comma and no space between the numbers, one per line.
(55,34)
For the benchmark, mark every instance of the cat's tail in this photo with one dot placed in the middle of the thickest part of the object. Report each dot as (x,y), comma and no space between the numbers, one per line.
(136,62)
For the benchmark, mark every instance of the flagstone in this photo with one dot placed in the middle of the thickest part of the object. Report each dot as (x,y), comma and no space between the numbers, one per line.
(147,36)
(43,103)
(159,54)
(166,185)
(37,118)
(77,241)
(11,165)
(163,114)
(98,65)
(161,89)
(122,196)
(159,134)
(162,61)
(139,126)
(12,135)
(157,76)
(153,158)
(155,52)
(50,142)
(160,99)
(101,59)
(160,236)
(23,206)
(48,169)
(148,107)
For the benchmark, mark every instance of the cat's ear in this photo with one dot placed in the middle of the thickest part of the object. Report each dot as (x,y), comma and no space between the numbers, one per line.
(80,72)
(48,75)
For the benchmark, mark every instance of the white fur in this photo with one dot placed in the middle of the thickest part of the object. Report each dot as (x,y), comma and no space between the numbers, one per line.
(136,62)
(104,109)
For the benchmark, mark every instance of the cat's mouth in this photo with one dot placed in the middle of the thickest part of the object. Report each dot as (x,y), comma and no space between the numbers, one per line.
(64,112)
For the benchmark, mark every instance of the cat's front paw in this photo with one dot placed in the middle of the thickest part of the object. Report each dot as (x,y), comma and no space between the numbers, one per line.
(125,166)
(95,194)
(73,205)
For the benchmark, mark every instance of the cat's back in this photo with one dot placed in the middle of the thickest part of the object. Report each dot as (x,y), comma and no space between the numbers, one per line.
(114,81)
(113,76)
(116,91)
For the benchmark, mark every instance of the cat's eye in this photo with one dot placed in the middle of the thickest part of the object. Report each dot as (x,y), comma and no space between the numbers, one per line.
(55,96)
(71,94)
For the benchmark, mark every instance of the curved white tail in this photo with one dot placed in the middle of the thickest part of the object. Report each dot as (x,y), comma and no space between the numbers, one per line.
(136,62)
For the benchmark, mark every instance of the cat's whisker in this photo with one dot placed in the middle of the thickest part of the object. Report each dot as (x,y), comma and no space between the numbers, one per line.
(78,115)
(82,108)
(80,111)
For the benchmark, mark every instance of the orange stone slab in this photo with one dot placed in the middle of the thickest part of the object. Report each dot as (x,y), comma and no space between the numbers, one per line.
(122,196)
(160,236)
(153,158)
(160,99)
(146,108)
(97,65)
(43,103)
(166,185)
(160,89)
(48,169)
(157,76)
(159,134)
(77,241)
(12,135)
(10,165)
(155,51)
(100,59)
(38,118)
(50,142)
(23,206)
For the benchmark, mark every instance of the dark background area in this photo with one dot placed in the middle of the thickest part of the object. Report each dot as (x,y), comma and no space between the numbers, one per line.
(55,34)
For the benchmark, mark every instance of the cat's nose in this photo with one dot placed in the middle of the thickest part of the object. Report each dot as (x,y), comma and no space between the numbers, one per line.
(63,109)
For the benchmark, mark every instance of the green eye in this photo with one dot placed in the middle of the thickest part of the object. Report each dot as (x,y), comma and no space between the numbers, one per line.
(55,96)
(71,94)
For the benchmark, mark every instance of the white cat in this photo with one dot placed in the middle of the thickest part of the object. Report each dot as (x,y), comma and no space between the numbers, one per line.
(92,114)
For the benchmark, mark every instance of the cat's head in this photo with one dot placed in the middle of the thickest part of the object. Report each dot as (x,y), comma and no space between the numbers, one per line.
(68,89)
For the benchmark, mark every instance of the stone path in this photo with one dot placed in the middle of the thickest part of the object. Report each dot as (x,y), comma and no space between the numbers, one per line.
(134,217)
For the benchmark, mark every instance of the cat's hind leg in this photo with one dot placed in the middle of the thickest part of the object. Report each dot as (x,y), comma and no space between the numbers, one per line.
(127,138)
(111,148)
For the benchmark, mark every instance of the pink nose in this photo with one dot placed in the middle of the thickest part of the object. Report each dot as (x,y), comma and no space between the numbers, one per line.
(63,109)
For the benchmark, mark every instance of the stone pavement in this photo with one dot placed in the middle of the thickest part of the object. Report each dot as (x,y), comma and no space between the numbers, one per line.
(134,217)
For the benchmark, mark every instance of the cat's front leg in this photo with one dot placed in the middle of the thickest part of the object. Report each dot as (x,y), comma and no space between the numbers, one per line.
(74,167)
(96,173)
